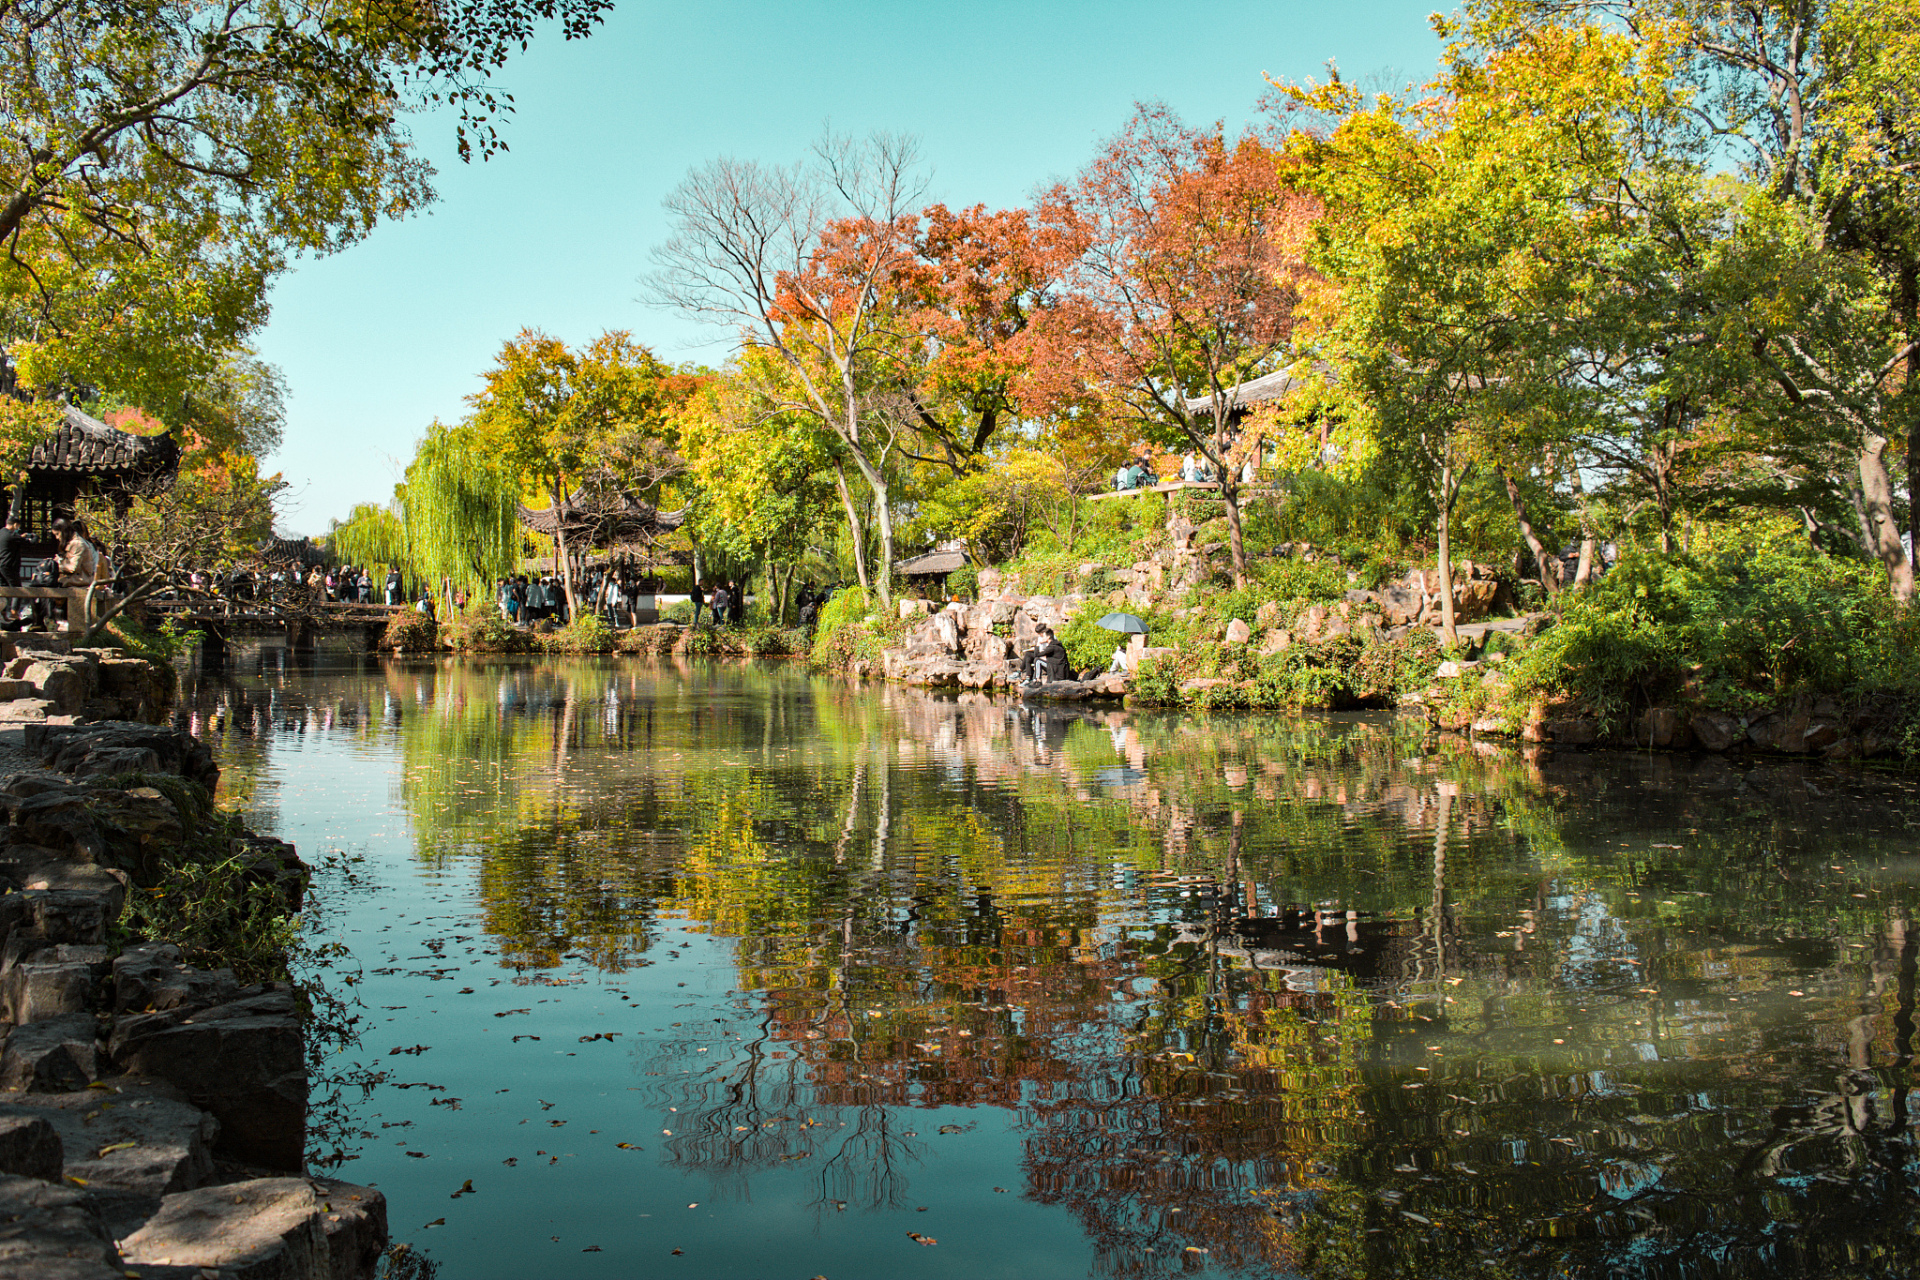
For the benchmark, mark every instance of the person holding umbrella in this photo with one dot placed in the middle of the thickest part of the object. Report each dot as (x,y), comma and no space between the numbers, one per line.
(1125,624)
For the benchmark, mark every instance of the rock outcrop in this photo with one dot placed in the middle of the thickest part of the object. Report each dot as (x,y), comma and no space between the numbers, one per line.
(140,1098)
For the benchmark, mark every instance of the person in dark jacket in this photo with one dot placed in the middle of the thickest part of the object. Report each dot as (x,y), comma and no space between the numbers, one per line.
(10,565)
(697,596)
(1047,660)
(393,586)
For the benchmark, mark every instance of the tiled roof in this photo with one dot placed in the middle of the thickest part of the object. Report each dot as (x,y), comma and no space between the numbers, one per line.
(932,564)
(85,445)
(606,519)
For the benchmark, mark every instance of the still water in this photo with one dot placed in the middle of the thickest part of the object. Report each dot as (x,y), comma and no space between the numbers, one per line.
(723,970)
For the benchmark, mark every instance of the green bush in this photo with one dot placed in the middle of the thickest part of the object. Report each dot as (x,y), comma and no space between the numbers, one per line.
(847,632)
(1740,627)
(483,630)
(410,631)
(1386,672)
(588,633)
(1088,644)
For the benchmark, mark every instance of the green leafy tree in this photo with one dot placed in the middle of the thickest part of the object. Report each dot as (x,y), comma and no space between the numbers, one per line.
(549,416)
(163,160)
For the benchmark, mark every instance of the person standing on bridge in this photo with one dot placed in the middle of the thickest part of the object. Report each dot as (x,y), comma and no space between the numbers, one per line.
(393,586)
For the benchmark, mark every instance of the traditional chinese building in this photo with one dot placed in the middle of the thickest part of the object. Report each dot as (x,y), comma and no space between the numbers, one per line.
(84,457)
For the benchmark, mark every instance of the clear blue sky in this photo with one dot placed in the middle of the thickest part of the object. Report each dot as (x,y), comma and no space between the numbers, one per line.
(378,341)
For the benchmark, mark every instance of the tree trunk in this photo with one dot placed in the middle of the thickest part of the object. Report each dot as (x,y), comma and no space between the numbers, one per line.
(883,514)
(1583,574)
(1448,636)
(560,553)
(1909,311)
(855,527)
(1549,569)
(1230,494)
(1876,493)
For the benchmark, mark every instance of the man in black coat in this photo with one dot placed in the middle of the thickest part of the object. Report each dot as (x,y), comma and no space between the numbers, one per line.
(10,565)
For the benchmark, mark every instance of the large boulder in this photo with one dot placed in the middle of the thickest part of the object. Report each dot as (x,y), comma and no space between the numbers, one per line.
(244,1061)
(50,1232)
(40,988)
(55,1056)
(268,1229)
(30,1147)
(132,1137)
(151,977)
(67,747)
(1716,730)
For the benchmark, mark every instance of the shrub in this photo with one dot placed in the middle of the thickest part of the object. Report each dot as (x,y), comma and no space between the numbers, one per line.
(1088,644)
(1386,672)
(847,632)
(1736,628)
(588,633)
(483,630)
(410,631)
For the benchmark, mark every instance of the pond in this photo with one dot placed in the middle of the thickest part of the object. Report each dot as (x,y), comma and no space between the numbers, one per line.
(726,970)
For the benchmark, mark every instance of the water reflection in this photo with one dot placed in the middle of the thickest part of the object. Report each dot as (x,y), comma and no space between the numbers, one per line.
(1328,997)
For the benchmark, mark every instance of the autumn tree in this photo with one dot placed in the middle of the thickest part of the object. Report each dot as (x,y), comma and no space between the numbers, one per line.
(553,417)
(1185,286)
(797,261)
(966,303)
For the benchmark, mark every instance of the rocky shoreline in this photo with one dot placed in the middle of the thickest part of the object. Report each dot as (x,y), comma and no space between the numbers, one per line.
(153,1116)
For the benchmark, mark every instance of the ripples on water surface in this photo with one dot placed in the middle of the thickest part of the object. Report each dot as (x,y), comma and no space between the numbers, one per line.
(722,970)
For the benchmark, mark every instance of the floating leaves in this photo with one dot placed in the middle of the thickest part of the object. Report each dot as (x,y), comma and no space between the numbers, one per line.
(917,1238)
(466,1189)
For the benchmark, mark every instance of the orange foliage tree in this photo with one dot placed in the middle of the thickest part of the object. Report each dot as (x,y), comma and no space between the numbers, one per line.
(1187,285)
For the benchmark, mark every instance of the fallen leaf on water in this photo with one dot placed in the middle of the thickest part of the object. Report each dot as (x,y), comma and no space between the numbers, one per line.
(677,1252)
(511,1160)
(518,1039)
(418,1155)
(951,1128)
(917,1238)
(628,1146)
(117,1146)
(437,1222)
(593,1248)
(1002,1190)
(466,1189)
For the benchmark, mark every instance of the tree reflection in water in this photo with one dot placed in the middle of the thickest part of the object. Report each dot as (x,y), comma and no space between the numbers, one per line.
(1326,996)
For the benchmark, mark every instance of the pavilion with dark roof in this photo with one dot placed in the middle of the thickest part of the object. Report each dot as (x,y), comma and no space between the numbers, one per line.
(601,519)
(84,457)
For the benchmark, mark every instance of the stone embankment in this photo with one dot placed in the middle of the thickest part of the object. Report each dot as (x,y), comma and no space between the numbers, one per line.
(977,646)
(45,680)
(152,1115)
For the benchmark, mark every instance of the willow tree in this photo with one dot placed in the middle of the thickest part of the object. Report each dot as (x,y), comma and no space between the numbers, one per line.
(373,535)
(462,525)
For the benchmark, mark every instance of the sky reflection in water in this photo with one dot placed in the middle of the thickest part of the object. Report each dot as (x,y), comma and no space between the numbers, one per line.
(1084,993)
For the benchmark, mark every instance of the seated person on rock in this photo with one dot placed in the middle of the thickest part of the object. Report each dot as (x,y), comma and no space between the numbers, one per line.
(1048,660)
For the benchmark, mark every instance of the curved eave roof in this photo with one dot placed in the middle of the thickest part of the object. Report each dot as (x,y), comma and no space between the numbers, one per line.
(84,445)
